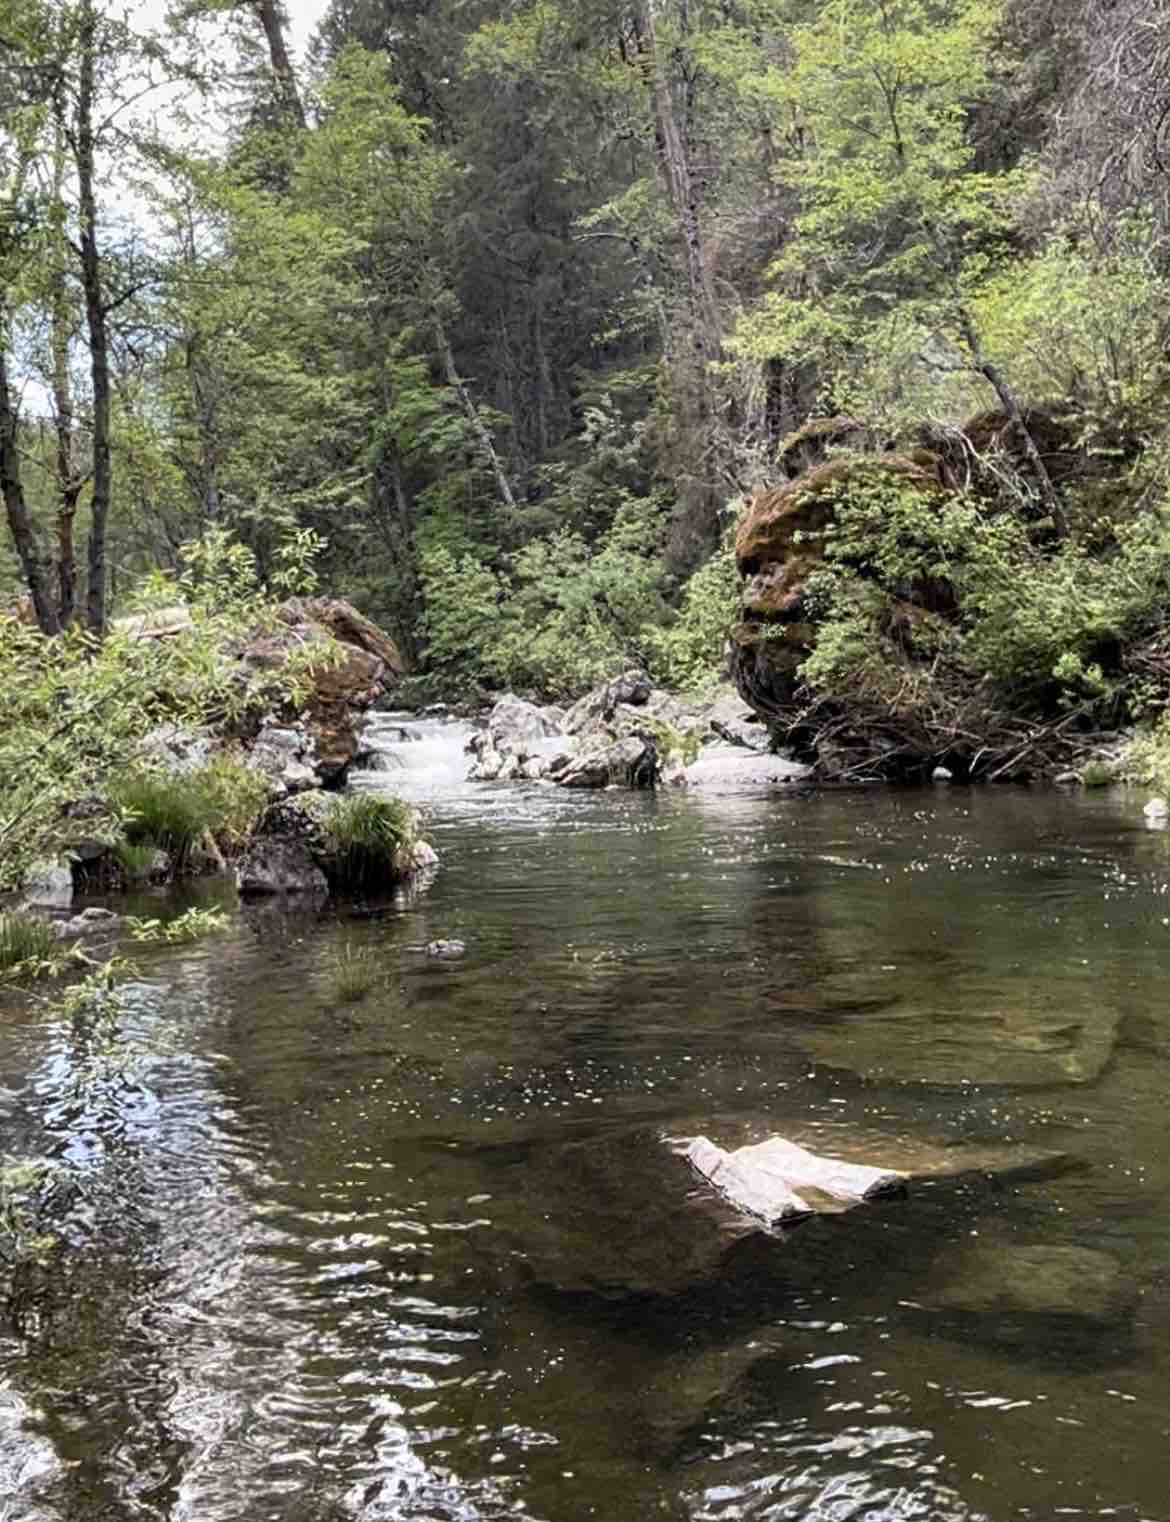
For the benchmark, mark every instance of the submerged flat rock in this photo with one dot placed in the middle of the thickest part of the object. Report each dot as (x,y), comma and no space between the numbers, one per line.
(629,1213)
(1030,1045)
(1039,1281)
(624,1214)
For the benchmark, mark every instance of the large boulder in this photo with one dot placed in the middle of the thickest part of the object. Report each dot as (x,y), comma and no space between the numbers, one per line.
(633,689)
(780,543)
(729,718)
(358,664)
(294,851)
(514,744)
(515,726)
(48,884)
(631,761)
(288,848)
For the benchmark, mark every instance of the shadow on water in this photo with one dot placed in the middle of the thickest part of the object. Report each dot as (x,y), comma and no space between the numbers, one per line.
(421,1255)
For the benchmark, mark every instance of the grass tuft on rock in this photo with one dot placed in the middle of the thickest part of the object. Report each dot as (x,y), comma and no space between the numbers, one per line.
(369,835)
(174,814)
(163,813)
(25,941)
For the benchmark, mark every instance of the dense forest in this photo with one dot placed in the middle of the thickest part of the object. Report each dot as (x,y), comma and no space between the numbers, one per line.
(586,335)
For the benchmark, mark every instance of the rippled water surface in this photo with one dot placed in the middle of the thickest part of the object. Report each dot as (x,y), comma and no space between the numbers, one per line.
(399,1258)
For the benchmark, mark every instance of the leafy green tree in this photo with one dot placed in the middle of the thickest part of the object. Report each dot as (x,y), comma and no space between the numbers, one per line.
(898,230)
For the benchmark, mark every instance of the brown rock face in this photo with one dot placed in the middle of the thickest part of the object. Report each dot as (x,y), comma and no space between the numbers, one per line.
(347,626)
(780,542)
(340,689)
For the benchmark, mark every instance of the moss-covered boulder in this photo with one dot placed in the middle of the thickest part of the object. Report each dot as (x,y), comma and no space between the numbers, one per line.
(780,543)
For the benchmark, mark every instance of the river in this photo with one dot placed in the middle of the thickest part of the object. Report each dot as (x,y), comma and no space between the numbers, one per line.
(354,1260)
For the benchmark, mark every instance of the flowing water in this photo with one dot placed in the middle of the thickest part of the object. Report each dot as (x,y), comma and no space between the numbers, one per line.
(395,1258)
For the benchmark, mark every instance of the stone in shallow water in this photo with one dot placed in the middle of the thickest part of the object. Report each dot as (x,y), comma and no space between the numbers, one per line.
(623,1215)
(1033,1044)
(778,1181)
(446,951)
(1040,1281)
(627,1214)
(732,770)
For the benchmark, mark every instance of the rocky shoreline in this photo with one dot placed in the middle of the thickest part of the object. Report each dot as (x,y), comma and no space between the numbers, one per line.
(627,733)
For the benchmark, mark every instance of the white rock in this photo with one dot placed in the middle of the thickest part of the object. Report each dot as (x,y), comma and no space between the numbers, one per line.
(49,885)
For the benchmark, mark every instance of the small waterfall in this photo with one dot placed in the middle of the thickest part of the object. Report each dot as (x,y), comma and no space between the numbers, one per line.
(415,758)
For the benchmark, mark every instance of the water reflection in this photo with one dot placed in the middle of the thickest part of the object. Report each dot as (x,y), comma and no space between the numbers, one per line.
(412,1258)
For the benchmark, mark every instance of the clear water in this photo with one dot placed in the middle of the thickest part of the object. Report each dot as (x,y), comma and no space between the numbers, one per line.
(345,1258)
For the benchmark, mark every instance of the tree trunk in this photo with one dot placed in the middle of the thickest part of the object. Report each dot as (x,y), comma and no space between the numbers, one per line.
(674,161)
(95,316)
(272,20)
(69,479)
(203,402)
(36,573)
(478,427)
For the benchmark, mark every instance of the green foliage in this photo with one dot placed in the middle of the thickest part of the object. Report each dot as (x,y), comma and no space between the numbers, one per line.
(164,812)
(78,712)
(691,650)
(236,795)
(1095,774)
(898,231)
(575,603)
(136,858)
(191,925)
(919,596)
(27,943)
(1146,760)
(368,835)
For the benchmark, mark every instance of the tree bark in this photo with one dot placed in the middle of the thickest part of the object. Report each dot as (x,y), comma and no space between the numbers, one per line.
(20,525)
(95,316)
(478,427)
(272,20)
(69,478)
(203,402)
(677,171)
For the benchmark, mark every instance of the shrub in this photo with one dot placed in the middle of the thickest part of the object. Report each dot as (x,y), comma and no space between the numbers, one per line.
(192,925)
(367,835)
(169,813)
(691,651)
(76,710)
(1098,774)
(236,795)
(26,943)
(165,813)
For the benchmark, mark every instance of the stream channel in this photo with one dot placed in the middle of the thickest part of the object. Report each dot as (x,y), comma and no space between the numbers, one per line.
(365,1261)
